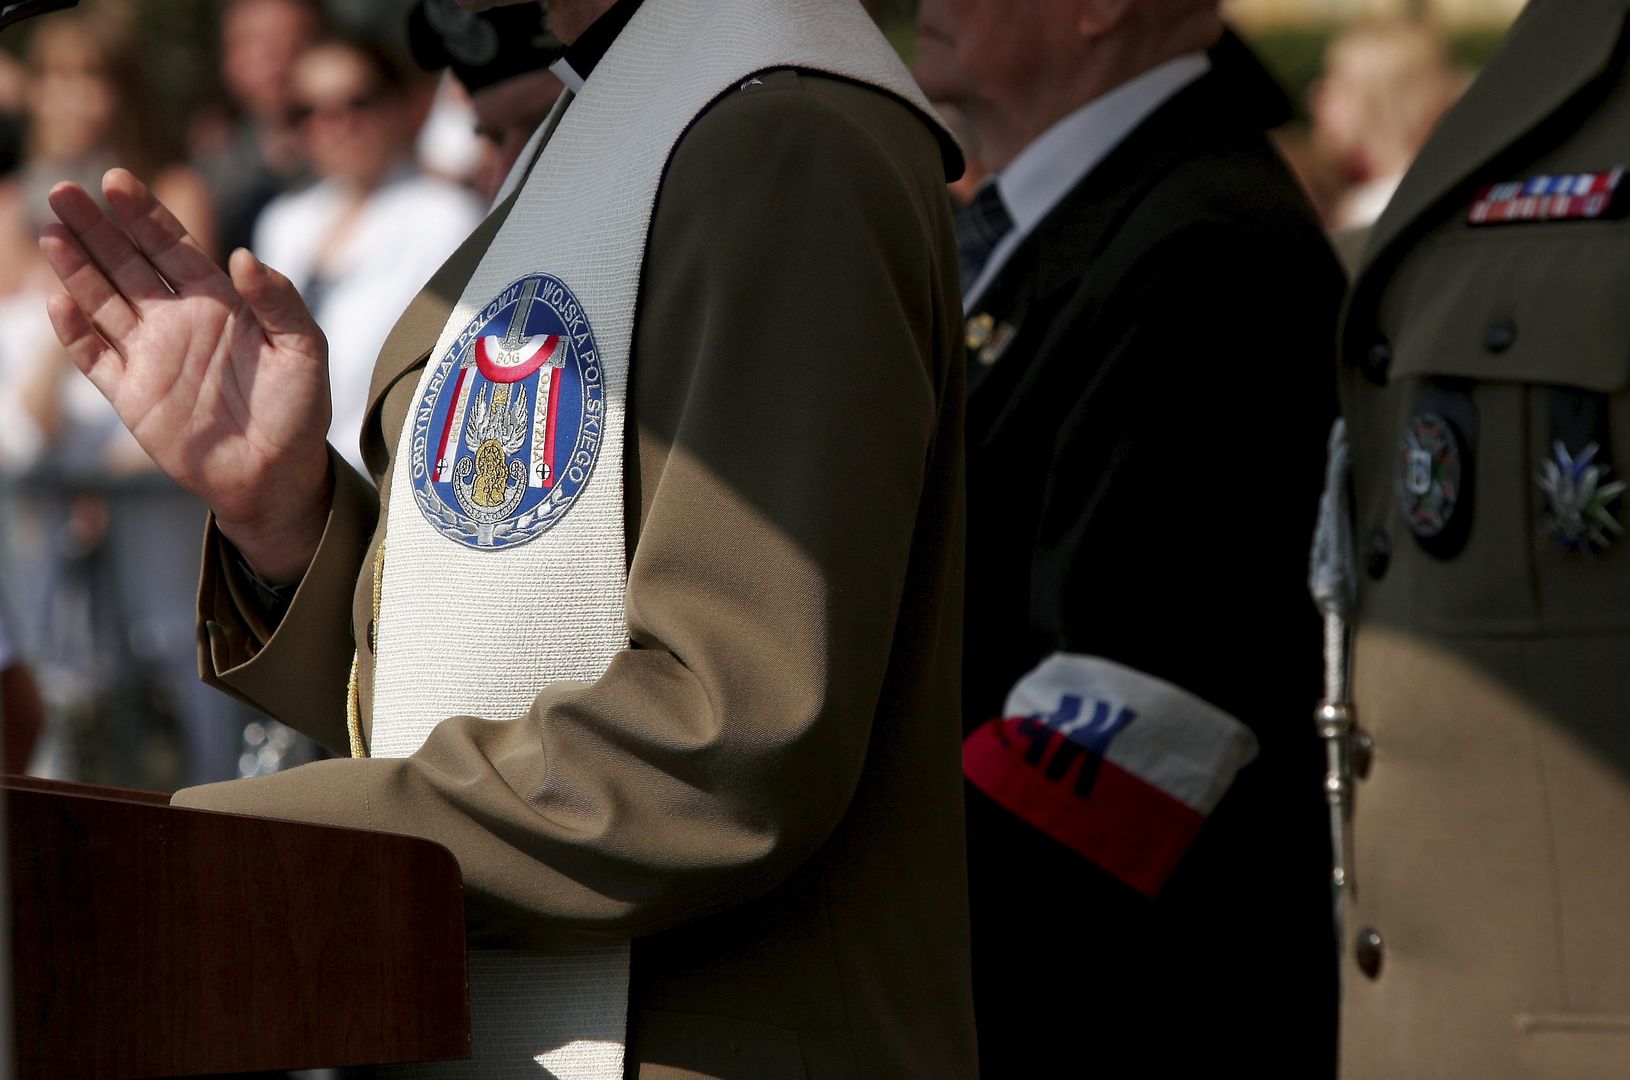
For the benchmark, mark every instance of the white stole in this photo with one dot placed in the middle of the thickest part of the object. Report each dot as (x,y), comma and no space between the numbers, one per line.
(468,626)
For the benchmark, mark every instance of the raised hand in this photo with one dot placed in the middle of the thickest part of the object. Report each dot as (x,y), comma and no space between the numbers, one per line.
(222,379)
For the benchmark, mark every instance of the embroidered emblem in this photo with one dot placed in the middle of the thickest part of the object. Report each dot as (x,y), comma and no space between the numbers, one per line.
(1579,499)
(979,331)
(1430,465)
(508,429)
(1573,197)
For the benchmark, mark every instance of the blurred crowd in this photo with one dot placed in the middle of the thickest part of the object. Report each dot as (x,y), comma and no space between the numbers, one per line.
(335,157)
(1384,86)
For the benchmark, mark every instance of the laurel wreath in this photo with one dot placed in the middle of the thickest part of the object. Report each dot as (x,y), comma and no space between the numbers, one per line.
(454,526)
(446,522)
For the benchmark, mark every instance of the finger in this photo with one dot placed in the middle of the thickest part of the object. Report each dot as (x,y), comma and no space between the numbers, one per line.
(86,349)
(160,235)
(90,289)
(119,259)
(272,297)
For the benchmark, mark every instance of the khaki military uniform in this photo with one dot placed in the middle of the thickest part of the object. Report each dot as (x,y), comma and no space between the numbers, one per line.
(1487,924)
(771,798)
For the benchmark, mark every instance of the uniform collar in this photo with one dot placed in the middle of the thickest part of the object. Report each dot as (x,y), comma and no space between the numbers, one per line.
(1558,59)
(583,55)
(1566,51)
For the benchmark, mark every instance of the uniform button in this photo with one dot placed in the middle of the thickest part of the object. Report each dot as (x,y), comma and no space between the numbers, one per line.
(1367,951)
(1362,753)
(1377,554)
(1377,361)
(1499,334)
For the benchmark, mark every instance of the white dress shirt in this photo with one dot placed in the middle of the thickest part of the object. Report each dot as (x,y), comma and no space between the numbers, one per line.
(1046,170)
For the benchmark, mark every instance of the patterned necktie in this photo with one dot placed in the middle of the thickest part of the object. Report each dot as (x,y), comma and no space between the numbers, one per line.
(980,226)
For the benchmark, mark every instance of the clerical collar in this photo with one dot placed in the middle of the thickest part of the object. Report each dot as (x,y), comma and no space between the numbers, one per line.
(580,58)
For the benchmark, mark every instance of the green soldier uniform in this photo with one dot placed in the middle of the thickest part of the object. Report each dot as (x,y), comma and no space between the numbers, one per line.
(1485,360)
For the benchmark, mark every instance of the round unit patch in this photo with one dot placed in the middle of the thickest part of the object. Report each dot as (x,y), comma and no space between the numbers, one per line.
(508,428)
(1430,467)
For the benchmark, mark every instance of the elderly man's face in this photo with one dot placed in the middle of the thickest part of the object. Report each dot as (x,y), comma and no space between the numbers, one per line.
(969,50)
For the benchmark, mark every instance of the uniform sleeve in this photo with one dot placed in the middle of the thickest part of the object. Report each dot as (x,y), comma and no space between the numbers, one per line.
(298,668)
(786,407)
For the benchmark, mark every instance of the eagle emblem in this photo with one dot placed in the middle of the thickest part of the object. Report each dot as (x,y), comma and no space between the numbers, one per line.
(509,423)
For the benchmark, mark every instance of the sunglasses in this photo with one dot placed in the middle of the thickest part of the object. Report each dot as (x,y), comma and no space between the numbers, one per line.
(302,112)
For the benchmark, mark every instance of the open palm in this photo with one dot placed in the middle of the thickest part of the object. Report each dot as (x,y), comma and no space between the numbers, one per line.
(222,379)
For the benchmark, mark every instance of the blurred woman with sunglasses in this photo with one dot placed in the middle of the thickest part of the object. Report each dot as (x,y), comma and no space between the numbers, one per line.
(87,110)
(96,540)
(360,242)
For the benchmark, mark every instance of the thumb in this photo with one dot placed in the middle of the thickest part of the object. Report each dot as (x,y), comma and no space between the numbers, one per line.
(272,297)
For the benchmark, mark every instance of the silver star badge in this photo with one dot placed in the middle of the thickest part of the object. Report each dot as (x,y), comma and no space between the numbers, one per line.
(1579,497)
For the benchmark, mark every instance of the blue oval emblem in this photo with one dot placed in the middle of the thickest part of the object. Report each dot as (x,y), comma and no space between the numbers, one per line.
(508,429)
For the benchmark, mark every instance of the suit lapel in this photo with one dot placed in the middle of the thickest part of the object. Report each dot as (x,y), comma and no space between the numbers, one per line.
(1573,47)
(1050,263)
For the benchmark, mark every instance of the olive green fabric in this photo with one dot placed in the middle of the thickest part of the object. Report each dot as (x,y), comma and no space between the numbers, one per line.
(1489,836)
(770,775)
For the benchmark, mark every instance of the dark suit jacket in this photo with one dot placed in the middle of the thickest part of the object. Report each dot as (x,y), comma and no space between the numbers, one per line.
(1145,458)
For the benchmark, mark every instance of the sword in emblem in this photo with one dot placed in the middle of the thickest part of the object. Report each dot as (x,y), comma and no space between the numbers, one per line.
(517,322)
(516,335)
(541,472)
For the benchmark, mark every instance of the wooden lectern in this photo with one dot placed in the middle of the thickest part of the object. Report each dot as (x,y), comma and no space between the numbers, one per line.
(152,941)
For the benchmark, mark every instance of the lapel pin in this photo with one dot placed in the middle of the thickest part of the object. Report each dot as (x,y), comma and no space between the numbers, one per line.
(1000,339)
(979,331)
